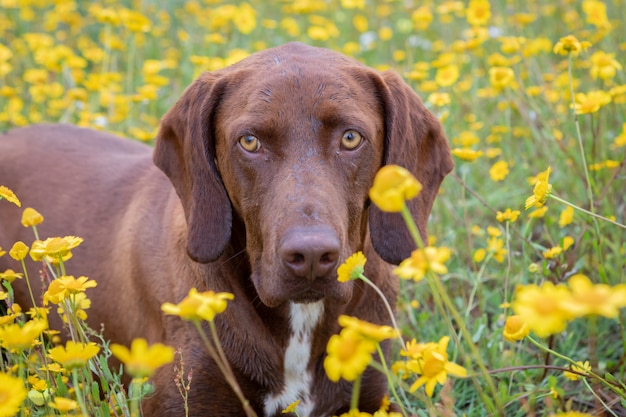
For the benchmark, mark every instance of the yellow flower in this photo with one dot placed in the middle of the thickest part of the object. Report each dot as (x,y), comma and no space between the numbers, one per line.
(13,313)
(199,306)
(245,18)
(566,217)
(479,255)
(73,355)
(393,185)
(467,154)
(515,328)
(353,4)
(421,17)
(291,408)
(541,307)
(439,99)
(368,330)
(595,12)
(79,303)
(499,171)
(63,404)
(620,140)
(494,231)
(567,242)
(31,217)
(553,252)
(17,338)
(348,355)
(360,23)
(423,260)
(66,285)
(541,176)
(478,12)
(385,33)
(501,77)
(447,75)
(8,195)
(54,248)
(570,45)
(352,268)
(10,275)
(571,414)
(539,213)
(142,361)
(590,102)
(604,65)
(496,247)
(18,251)
(594,299)
(583,368)
(508,215)
(542,190)
(12,394)
(134,21)
(431,363)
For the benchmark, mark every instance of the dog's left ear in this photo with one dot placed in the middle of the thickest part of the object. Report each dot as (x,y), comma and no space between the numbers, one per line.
(185,152)
(414,139)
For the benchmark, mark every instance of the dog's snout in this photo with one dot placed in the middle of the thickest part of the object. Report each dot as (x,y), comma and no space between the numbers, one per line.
(310,253)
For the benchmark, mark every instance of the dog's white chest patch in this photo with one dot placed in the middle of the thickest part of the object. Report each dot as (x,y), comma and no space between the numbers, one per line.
(303,319)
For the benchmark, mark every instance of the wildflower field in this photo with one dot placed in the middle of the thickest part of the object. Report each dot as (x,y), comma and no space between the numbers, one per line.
(515,305)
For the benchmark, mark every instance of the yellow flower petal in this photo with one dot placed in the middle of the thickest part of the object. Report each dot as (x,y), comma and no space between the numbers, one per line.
(393,185)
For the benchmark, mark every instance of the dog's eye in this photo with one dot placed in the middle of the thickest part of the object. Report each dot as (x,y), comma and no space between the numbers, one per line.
(250,143)
(351,139)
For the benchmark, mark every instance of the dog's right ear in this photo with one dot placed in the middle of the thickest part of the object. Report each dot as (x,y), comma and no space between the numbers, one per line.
(185,152)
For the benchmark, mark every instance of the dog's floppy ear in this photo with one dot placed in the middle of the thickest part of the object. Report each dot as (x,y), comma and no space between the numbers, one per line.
(185,152)
(414,139)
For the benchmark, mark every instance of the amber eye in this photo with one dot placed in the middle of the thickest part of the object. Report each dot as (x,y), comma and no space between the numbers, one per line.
(250,143)
(351,139)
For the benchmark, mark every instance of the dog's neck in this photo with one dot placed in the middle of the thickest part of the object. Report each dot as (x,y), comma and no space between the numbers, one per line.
(303,319)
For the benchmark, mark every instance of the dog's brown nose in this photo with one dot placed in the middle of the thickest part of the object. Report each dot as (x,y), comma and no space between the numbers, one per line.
(310,252)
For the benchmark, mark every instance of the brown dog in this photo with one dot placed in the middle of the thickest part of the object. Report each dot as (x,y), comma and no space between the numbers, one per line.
(265,168)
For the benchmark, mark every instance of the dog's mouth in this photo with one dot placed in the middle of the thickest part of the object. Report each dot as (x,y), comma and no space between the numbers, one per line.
(308,296)
(275,290)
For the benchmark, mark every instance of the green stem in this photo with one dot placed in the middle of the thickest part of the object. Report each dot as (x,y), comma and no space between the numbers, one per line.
(508,265)
(589,190)
(433,279)
(356,388)
(572,362)
(408,219)
(574,206)
(30,289)
(435,283)
(224,366)
(579,135)
(387,373)
(387,306)
(593,392)
(135,396)
(79,394)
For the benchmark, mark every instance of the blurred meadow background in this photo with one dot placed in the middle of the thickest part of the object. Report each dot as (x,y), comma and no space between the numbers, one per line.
(529,92)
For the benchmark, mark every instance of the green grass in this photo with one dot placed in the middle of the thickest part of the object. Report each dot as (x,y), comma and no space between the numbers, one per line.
(92,73)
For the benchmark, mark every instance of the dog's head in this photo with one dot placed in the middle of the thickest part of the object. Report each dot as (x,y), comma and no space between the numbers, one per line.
(289,140)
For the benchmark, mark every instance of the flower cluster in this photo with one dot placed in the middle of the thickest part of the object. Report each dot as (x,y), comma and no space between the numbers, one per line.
(547,308)
(430,362)
(350,351)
